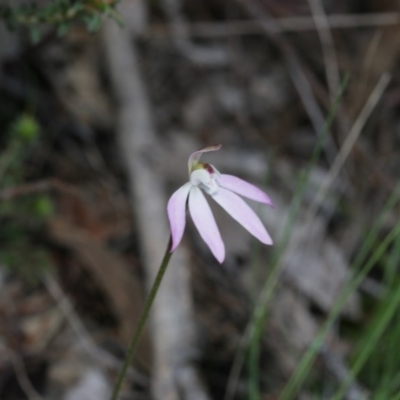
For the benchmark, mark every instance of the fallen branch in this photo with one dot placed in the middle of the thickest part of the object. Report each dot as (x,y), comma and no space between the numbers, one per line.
(282,25)
(172,322)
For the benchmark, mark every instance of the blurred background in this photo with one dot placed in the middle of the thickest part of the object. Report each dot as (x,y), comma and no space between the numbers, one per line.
(101,104)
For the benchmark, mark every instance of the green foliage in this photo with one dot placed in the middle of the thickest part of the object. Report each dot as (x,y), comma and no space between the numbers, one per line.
(20,255)
(61,14)
(376,360)
(43,207)
(26,128)
(22,219)
(23,134)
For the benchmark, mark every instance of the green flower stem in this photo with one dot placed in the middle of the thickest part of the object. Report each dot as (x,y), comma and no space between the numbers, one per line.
(143,319)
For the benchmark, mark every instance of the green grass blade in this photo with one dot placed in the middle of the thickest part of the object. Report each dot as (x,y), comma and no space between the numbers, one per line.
(261,310)
(305,364)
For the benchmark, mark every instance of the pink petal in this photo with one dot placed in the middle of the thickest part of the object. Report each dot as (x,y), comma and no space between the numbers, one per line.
(177,213)
(205,223)
(195,157)
(239,186)
(242,213)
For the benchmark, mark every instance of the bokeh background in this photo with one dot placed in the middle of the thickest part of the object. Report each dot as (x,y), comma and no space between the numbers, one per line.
(102,102)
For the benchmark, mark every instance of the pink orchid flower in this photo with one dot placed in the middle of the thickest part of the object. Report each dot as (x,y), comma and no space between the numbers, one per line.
(224,189)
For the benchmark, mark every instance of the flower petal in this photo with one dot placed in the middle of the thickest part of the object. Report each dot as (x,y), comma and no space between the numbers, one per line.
(242,213)
(195,157)
(239,186)
(205,223)
(177,213)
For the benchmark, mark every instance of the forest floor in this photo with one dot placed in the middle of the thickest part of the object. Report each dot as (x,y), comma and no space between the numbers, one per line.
(95,140)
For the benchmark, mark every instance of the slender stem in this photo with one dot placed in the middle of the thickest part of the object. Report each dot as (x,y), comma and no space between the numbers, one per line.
(143,319)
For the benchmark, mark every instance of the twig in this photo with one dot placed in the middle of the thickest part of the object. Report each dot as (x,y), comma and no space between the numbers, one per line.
(348,144)
(359,92)
(91,349)
(296,73)
(282,25)
(328,47)
(38,187)
(22,377)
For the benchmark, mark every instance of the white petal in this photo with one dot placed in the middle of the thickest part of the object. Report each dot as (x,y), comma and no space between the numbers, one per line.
(239,186)
(177,213)
(195,157)
(199,176)
(205,223)
(242,213)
